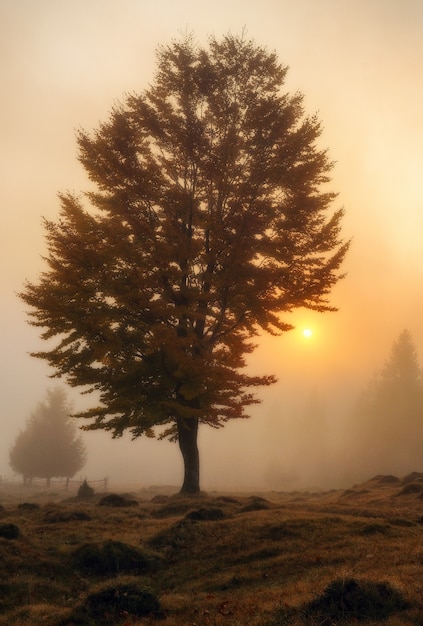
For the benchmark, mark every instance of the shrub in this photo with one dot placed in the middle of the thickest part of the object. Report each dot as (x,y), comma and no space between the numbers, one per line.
(85,492)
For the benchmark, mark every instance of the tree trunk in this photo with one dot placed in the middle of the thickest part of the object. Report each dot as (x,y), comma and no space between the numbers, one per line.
(187,437)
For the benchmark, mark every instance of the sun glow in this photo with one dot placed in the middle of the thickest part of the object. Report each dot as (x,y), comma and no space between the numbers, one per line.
(307,333)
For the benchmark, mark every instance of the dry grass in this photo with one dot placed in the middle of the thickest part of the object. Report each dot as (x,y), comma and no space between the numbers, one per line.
(215,560)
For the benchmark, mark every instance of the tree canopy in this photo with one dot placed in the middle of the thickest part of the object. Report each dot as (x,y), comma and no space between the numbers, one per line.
(209,221)
(49,445)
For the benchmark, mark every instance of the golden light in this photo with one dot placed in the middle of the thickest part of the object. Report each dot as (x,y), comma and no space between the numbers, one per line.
(307,333)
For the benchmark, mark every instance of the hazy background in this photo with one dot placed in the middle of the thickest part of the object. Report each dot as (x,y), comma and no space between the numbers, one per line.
(359,63)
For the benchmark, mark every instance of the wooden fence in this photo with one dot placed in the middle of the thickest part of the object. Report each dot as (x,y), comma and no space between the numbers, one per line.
(56,484)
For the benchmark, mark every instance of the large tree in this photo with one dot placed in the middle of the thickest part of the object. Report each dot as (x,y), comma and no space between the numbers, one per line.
(49,445)
(207,223)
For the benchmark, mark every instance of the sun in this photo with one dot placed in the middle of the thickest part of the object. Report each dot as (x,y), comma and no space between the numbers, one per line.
(307,333)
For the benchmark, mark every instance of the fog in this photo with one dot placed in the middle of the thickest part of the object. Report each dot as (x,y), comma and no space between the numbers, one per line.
(63,63)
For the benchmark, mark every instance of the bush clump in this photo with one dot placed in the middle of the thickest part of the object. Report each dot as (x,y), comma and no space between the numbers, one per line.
(110,559)
(85,492)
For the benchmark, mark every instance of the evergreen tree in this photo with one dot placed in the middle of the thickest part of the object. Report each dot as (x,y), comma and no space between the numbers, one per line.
(49,445)
(387,425)
(208,223)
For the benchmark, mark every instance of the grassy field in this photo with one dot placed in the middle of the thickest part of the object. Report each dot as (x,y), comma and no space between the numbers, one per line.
(338,557)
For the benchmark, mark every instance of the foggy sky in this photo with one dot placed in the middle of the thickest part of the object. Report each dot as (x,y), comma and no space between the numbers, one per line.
(63,63)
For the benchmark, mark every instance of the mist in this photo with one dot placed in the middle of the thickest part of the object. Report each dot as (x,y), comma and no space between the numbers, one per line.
(304,435)
(64,65)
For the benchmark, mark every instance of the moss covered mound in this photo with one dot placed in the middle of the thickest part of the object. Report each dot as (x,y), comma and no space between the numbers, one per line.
(354,599)
(110,558)
(114,604)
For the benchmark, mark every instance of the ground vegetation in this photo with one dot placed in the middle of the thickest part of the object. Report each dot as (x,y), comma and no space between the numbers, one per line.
(336,557)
